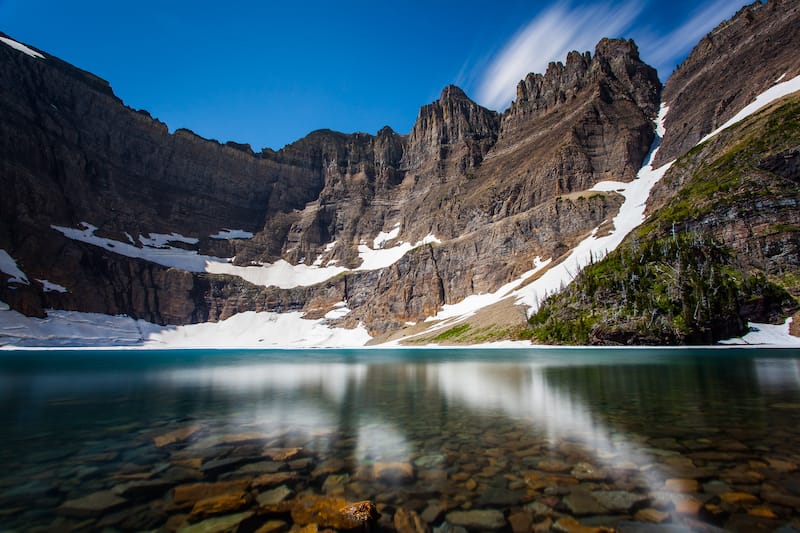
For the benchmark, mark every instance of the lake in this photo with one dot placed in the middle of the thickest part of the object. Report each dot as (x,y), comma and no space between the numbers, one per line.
(433,440)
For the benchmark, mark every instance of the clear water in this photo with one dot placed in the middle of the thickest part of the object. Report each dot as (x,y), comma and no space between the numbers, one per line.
(528,434)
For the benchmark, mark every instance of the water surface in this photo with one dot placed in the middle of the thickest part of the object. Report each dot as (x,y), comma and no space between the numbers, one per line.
(480,439)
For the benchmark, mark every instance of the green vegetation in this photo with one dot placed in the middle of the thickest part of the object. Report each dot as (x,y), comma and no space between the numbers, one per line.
(688,275)
(685,288)
(452,333)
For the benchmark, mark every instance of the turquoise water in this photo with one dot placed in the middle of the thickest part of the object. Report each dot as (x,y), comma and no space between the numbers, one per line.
(535,438)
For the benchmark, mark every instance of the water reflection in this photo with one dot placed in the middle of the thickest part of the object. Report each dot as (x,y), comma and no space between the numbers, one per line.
(494,429)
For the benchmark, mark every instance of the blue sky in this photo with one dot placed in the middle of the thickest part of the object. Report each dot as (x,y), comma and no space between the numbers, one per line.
(270,72)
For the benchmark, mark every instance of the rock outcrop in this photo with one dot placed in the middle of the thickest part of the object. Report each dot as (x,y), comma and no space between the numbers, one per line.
(729,67)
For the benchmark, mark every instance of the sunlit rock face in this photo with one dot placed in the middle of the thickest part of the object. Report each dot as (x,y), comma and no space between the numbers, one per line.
(758,45)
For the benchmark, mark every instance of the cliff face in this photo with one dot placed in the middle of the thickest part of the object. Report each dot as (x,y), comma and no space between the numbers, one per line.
(582,122)
(729,67)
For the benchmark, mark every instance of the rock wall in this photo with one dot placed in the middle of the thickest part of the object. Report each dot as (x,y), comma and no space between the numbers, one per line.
(728,68)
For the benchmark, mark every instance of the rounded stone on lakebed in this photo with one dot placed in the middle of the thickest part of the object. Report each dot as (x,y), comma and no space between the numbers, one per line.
(488,519)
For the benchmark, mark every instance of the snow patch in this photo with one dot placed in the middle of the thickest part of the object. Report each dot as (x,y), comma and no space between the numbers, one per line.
(244,330)
(49,286)
(339,310)
(281,274)
(386,236)
(71,328)
(472,304)
(762,100)
(251,329)
(9,266)
(160,240)
(228,234)
(21,47)
(767,334)
(376,259)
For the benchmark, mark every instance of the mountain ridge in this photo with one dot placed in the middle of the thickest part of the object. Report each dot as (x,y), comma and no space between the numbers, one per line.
(468,201)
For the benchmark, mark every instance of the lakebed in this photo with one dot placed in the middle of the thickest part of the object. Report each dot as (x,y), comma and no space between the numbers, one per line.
(514,440)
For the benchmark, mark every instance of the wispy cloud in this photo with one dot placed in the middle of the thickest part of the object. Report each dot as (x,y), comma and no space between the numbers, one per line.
(549,37)
(665,51)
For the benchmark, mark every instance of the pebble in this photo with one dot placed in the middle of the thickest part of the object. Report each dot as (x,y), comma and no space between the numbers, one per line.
(274,496)
(685,486)
(220,524)
(485,519)
(95,504)
(177,435)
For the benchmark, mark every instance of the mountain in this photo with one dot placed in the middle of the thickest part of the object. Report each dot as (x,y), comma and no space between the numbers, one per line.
(105,211)
(721,245)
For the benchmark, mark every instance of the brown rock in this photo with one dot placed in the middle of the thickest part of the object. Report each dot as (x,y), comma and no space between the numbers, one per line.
(224,503)
(581,502)
(363,511)
(331,466)
(487,520)
(780,465)
(220,524)
(651,515)
(776,497)
(407,521)
(327,512)
(570,525)
(521,521)
(187,495)
(272,480)
(393,473)
(191,462)
(686,505)
(588,472)
(177,435)
(685,486)
(273,526)
(705,91)
(282,454)
(95,504)
(762,512)
(553,466)
(274,496)
(737,498)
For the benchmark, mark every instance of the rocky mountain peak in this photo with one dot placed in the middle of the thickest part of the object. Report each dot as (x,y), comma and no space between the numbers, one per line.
(615,61)
(451,134)
(452,92)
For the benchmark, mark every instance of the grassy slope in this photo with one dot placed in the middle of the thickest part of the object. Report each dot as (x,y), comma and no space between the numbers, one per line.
(691,273)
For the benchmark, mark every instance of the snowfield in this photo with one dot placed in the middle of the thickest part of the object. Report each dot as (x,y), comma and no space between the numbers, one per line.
(282,274)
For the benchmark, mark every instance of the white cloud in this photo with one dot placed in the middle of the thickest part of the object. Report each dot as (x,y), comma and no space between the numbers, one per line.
(549,37)
(665,51)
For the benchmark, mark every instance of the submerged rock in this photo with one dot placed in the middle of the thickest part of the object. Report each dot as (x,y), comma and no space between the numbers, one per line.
(95,504)
(222,524)
(489,519)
